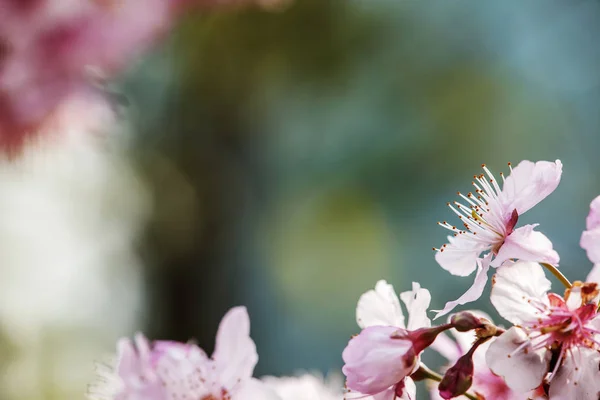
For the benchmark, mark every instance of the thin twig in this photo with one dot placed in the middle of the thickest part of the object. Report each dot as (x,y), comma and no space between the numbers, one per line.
(563,279)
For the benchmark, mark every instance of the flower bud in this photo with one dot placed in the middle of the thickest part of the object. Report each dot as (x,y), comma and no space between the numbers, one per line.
(375,360)
(465,321)
(458,378)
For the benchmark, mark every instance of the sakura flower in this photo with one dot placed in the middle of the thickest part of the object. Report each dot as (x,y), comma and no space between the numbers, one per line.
(380,359)
(166,370)
(49,47)
(489,217)
(590,239)
(554,340)
(485,382)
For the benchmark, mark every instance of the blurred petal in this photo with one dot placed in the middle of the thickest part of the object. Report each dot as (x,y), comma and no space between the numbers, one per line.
(519,290)
(594,275)
(529,183)
(521,367)
(235,353)
(525,244)
(253,389)
(380,307)
(590,241)
(593,219)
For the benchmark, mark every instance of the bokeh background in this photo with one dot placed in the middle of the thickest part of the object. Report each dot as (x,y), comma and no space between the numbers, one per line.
(287,160)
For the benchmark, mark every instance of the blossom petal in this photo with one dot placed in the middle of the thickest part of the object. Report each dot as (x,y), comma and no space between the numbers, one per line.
(387,394)
(235,353)
(380,307)
(590,239)
(252,389)
(417,302)
(529,183)
(593,219)
(522,368)
(519,290)
(475,291)
(594,275)
(526,244)
(578,377)
(590,242)
(374,361)
(128,361)
(410,390)
(459,256)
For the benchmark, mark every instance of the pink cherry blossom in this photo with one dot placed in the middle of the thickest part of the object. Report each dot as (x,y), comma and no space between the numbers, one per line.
(488,219)
(554,340)
(166,370)
(377,361)
(485,382)
(52,50)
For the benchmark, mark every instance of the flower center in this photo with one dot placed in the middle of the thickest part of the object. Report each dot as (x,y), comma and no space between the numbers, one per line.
(482,214)
(566,328)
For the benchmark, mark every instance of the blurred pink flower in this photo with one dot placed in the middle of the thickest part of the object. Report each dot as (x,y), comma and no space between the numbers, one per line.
(51,50)
(489,217)
(166,370)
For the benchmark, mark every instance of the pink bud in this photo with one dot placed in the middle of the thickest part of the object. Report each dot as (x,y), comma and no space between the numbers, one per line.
(465,321)
(374,360)
(458,378)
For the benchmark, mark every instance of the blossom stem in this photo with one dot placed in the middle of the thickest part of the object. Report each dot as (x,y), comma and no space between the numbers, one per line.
(563,279)
(427,373)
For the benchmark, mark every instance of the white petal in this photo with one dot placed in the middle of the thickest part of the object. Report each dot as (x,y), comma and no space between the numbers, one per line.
(253,389)
(519,290)
(235,353)
(459,256)
(529,183)
(379,307)
(578,377)
(590,241)
(594,275)
(522,370)
(593,218)
(526,244)
(417,302)
(410,390)
(475,291)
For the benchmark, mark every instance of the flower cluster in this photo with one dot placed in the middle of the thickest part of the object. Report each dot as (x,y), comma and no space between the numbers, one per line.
(551,350)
